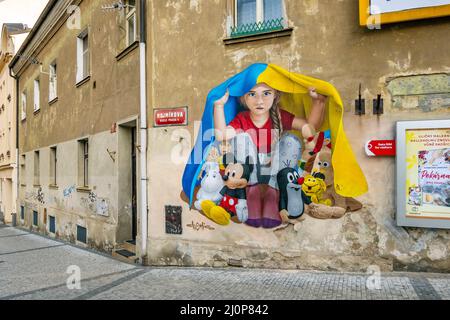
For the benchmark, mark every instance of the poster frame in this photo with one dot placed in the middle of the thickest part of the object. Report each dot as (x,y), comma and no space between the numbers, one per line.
(401,218)
(400,16)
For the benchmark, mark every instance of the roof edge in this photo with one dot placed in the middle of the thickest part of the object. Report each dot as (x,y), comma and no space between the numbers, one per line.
(33,31)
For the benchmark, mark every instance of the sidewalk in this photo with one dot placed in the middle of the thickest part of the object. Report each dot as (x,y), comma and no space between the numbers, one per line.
(34,267)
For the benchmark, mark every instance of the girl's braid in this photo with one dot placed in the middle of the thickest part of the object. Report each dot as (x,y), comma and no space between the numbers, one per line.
(276,117)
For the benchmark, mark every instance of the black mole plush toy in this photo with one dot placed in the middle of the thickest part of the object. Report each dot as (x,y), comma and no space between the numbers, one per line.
(292,197)
(234,201)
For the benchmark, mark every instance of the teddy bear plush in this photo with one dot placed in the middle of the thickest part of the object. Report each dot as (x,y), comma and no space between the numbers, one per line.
(323,165)
(234,201)
(313,144)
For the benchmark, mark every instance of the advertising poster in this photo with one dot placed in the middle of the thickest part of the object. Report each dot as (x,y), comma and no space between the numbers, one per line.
(428,173)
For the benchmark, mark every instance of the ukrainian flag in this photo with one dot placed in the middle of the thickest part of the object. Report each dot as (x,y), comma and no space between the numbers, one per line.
(349,179)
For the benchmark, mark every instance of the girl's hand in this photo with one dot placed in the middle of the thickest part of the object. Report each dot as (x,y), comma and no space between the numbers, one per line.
(316,96)
(222,101)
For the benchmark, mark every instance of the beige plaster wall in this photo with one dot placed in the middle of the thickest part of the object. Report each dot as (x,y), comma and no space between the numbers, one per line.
(111,94)
(7,128)
(190,58)
(95,207)
(91,110)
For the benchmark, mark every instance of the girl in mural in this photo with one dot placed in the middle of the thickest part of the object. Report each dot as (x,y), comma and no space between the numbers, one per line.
(265,122)
(244,116)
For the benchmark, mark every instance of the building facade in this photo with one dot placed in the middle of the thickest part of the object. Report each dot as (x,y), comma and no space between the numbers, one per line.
(79,148)
(10,39)
(196,49)
(78,82)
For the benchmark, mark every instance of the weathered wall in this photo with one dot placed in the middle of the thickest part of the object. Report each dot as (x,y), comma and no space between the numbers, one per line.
(190,58)
(95,209)
(111,94)
(91,110)
(7,141)
(7,127)
(6,188)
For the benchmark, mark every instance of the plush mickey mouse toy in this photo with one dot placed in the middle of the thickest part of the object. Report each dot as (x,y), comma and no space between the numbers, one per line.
(234,201)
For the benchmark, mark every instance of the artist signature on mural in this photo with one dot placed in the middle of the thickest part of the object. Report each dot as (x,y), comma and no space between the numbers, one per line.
(199,226)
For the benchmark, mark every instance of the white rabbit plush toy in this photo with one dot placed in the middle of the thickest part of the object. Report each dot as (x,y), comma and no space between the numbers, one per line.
(211,185)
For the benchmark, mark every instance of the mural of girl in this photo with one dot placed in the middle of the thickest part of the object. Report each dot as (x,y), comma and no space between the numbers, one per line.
(265,122)
(252,112)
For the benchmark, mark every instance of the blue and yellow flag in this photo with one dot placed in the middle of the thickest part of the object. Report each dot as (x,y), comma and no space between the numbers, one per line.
(349,179)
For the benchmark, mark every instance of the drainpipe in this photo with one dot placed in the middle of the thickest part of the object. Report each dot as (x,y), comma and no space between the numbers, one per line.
(16,182)
(143,128)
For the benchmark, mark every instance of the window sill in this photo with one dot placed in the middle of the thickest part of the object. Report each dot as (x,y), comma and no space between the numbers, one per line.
(23,120)
(23,185)
(53,101)
(127,50)
(259,36)
(53,186)
(35,112)
(84,189)
(81,82)
(36,185)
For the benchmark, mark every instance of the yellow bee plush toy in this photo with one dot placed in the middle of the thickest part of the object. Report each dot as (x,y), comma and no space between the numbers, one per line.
(314,186)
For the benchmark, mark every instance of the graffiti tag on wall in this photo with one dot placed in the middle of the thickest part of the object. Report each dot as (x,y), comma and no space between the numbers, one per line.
(40,196)
(37,196)
(69,191)
(95,204)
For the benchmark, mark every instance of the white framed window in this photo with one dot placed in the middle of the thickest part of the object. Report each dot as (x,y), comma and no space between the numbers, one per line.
(246,14)
(83,63)
(83,163)
(23,174)
(37,95)
(24,105)
(53,165)
(37,174)
(53,83)
(131,21)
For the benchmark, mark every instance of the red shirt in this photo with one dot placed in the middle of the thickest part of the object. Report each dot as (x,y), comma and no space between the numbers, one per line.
(262,137)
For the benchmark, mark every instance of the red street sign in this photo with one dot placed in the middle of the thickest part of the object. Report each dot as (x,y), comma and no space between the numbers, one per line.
(170,117)
(380,148)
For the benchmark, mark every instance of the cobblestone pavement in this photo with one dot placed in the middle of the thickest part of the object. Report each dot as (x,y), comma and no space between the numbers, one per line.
(35,267)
